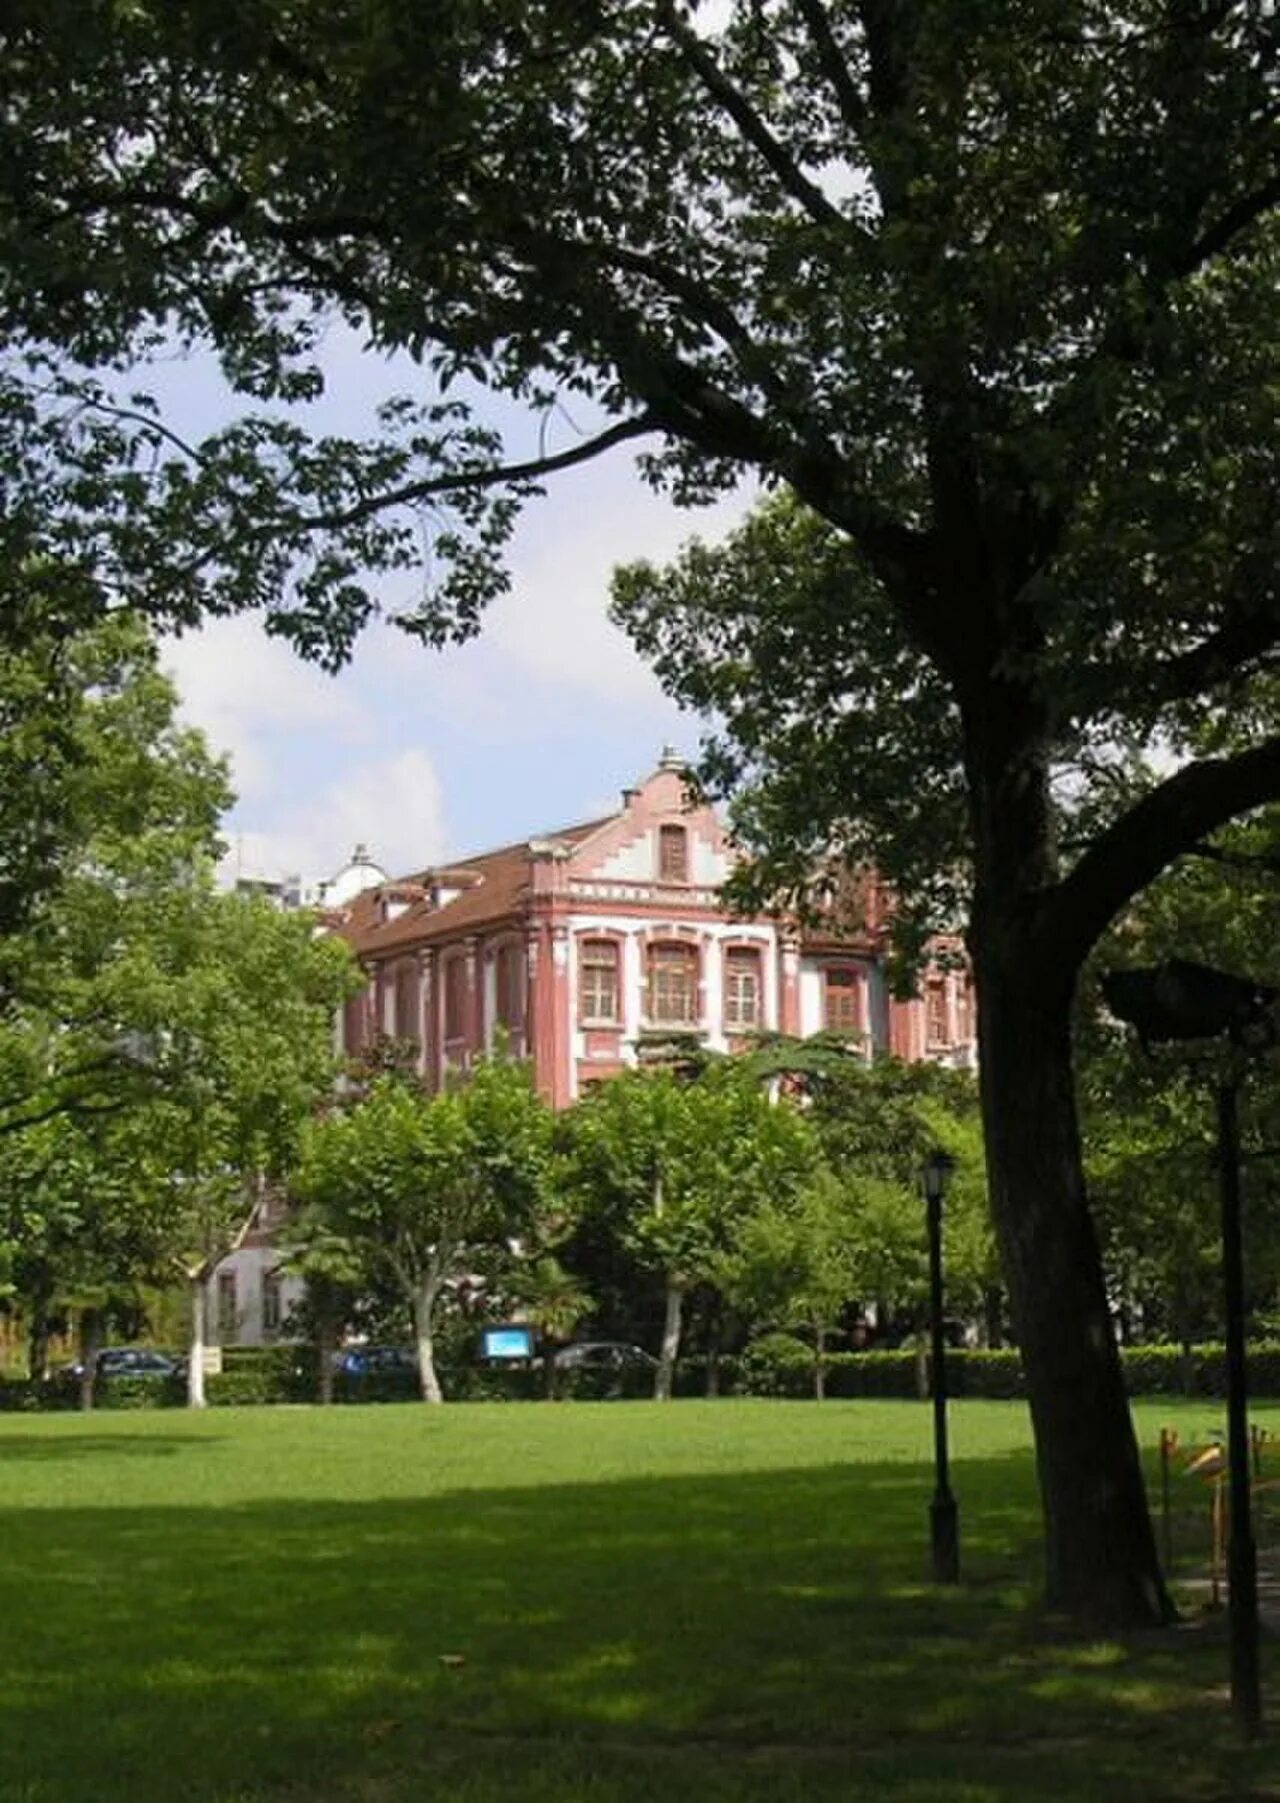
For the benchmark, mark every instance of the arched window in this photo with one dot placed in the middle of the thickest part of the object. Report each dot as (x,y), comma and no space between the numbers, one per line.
(598,991)
(741,988)
(673,985)
(673,854)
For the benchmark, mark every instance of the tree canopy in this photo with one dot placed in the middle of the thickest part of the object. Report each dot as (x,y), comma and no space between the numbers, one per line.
(428,1188)
(1005,270)
(674,1163)
(160,1041)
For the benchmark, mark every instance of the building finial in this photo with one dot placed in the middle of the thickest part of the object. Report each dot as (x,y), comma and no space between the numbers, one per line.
(670,759)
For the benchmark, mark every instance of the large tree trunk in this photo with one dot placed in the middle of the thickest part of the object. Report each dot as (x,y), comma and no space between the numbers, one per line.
(195,1341)
(424,1301)
(664,1379)
(1101,1564)
(1100,1556)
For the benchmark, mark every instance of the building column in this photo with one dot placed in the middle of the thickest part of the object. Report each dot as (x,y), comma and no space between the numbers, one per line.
(564,1076)
(789,987)
(539,1019)
(428,1020)
(475,1000)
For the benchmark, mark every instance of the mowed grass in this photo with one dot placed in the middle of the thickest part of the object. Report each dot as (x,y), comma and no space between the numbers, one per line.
(531,1603)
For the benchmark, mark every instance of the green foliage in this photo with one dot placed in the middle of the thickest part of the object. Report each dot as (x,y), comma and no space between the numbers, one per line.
(783,634)
(425,1188)
(1149,1117)
(877,1123)
(549,1298)
(160,1042)
(673,1163)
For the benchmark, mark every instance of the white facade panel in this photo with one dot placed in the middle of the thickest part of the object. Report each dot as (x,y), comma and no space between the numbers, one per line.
(249,1266)
(632,863)
(708,865)
(812,1009)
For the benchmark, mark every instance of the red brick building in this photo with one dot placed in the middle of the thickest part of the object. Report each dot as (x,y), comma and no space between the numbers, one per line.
(578,944)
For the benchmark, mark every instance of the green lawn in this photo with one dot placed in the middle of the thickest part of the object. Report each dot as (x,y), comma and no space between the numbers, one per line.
(530,1603)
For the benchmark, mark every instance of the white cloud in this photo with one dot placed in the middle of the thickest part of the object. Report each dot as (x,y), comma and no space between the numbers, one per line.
(555,623)
(394,806)
(247,692)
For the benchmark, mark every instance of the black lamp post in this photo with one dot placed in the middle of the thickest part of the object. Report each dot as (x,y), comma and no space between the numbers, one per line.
(944,1526)
(1183,1001)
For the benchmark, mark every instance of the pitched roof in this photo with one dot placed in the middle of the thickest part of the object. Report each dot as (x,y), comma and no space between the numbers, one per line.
(491,887)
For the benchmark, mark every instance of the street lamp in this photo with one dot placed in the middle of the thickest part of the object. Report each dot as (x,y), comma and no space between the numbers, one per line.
(1183,1001)
(944,1526)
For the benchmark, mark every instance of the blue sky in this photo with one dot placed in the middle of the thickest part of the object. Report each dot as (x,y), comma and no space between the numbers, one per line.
(422,754)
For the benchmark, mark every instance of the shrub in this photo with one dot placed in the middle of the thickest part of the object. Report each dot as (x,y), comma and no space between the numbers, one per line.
(777,1364)
(21,1395)
(376,1386)
(138,1393)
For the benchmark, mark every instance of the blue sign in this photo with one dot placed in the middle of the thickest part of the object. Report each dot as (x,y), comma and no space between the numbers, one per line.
(508,1342)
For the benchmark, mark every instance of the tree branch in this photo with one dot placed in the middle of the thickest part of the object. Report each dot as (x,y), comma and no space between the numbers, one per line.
(1237,218)
(751,126)
(1238,641)
(1165,824)
(831,60)
(484,476)
(74,1106)
(702,303)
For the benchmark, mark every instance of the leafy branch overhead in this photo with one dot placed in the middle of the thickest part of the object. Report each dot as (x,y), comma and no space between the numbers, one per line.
(938,271)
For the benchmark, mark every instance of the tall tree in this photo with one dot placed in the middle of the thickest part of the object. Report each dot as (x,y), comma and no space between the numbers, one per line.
(430,1187)
(674,1163)
(992,290)
(160,1042)
(108,806)
(795,1266)
(240,1003)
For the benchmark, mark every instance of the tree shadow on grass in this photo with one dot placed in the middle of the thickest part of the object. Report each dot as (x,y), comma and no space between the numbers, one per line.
(764,1635)
(56,1448)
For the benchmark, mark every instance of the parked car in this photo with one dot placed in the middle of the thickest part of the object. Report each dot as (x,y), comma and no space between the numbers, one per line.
(128,1361)
(604,1355)
(368,1361)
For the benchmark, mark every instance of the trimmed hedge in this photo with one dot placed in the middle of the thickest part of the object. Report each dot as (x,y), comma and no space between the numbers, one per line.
(776,1365)
(1148,1370)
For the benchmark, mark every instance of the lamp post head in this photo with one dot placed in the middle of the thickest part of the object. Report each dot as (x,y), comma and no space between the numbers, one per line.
(938,1167)
(1179,1000)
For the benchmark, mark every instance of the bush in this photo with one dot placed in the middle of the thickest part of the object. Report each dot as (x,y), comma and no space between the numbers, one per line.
(1198,1370)
(777,1364)
(137,1393)
(494,1383)
(19,1395)
(375,1386)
